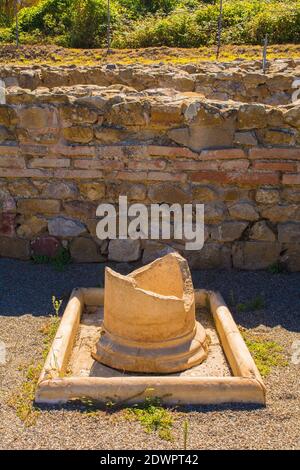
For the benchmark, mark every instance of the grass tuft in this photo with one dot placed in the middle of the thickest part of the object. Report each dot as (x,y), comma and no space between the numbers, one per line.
(153,417)
(266,354)
(276,268)
(60,261)
(257,303)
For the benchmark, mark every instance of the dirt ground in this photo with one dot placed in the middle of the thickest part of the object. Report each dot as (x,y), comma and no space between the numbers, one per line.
(25,305)
(55,55)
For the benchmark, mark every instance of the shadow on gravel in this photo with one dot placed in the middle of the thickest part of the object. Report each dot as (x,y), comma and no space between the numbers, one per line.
(92,406)
(26,288)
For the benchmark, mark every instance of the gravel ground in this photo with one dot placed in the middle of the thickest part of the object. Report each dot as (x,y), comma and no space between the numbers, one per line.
(25,303)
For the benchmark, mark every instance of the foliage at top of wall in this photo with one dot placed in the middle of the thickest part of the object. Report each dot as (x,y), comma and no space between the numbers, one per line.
(142,23)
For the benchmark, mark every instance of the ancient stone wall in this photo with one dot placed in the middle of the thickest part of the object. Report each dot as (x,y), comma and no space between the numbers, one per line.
(64,150)
(239,80)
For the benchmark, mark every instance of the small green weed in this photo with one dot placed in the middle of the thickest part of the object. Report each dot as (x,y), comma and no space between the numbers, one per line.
(59,261)
(153,417)
(257,303)
(56,304)
(185,433)
(267,354)
(276,268)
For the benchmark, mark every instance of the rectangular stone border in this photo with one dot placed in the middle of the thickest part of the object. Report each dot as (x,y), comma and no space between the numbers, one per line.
(246,386)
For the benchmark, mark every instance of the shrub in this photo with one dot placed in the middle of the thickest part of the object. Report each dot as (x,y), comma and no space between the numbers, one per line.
(50,17)
(136,8)
(281,21)
(177,23)
(195,24)
(5,35)
(75,23)
(179,29)
(89,23)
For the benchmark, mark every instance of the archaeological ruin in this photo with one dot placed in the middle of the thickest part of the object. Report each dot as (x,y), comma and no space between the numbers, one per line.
(226,135)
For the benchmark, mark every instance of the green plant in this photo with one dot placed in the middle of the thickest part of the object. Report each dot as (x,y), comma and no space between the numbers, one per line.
(232,298)
(153,417)
(89,23)
(56,304)
(276,268)
(50,17)
(142,23)
(185,433)
(257,303)
(267,354)
(22,400)
(59,261)
(5,35)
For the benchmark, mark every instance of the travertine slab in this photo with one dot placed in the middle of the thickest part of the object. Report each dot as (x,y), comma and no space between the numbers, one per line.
(245,387)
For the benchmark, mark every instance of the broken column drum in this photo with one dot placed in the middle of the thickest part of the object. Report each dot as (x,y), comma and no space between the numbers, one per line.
(149,319)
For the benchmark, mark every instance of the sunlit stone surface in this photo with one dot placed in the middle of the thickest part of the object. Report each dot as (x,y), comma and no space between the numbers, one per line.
(149,319)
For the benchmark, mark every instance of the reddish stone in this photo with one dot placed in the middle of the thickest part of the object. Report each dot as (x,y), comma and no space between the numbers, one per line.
(25,173)
(240,178)
(45,246)
(74,174)
(154,164)
(7,224)
(163,151)
(275,166)
(194,165)
(281,153)
(98,164)
(220,154)
(291,179)
(234,165)
(210,176)
(254,178)
(164,176)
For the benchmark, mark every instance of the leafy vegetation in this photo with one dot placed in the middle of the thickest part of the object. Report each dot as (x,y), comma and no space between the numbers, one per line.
(267,354)
(252,305)
(153,417)
(143,23)
(185,434)
(56,304)
(59,261)
(277,268)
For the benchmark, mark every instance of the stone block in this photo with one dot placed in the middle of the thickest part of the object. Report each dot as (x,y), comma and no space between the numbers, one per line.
(14,248)
(92,191)
(78,134)
(45,246)
(32,227)
(267,196)
(261,231)
(7,224)
(243,210)
(252,116)
(85,250)
(38,206)
(228,231)
(60,190)
(212,256)
(169,193)
(255,254)
(64,227)
(291,256)
(124,250)
(154,250)
(281,213)
(289,233)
